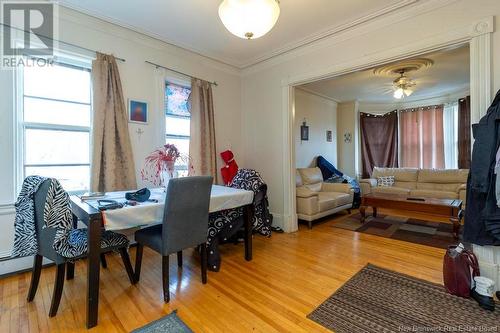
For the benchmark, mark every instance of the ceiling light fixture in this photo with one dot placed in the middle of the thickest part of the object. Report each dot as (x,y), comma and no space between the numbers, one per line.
(249,19)
(402,86)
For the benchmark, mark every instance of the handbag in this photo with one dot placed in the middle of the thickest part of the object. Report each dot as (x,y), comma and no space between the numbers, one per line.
(459,270)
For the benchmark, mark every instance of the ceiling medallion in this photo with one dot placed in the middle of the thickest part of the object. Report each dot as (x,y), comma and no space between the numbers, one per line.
(408,65)
(403,85)
(249,19)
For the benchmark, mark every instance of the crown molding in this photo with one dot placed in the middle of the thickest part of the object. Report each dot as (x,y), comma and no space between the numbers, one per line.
(403,14)
(312,92)
(72,14)
(328,32)
(266,56)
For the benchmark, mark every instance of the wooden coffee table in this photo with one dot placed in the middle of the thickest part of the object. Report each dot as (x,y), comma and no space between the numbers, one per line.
(449,208)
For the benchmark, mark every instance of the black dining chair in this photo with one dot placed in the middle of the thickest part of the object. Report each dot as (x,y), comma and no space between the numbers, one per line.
(45,237)
(185,225)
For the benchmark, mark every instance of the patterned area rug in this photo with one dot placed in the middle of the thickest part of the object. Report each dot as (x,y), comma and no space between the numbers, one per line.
(379,300)
(169,324)
(402,228)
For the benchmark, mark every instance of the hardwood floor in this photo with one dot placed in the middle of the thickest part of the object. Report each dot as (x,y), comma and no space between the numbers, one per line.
(290,275)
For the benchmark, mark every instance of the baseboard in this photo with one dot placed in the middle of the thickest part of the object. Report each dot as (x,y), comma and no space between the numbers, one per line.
(18,265)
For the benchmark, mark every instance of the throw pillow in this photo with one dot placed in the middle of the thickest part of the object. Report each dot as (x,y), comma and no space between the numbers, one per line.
(386,181)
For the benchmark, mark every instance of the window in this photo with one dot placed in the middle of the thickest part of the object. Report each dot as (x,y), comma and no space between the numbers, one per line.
(55,120)
(177,121)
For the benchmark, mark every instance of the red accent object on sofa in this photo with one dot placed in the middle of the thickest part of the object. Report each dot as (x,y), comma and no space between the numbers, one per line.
(230,169)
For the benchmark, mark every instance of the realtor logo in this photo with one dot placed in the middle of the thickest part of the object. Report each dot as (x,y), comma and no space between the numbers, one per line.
(28,29)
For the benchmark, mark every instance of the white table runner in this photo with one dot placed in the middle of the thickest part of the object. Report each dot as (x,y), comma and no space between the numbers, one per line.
(148,213)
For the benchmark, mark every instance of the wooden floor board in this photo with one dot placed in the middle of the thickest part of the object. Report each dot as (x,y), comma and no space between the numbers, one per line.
(290,275)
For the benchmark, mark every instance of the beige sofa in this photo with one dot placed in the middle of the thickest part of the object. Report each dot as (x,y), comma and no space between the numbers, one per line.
(430,183)
(316,199)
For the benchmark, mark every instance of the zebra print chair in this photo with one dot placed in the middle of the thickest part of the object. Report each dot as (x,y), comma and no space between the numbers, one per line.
(78,237)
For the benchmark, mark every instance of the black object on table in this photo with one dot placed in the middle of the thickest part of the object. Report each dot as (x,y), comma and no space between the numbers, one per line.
(92,218)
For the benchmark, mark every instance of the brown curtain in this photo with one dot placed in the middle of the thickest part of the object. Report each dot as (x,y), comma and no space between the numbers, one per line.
(379,141)
(112,159)
(422,137)
(464,133)
(202,140)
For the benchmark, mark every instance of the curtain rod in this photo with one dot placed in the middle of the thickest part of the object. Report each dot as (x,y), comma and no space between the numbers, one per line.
(175,71)
(59,41)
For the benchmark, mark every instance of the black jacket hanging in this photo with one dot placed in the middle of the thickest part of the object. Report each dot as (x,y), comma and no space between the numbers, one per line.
(482,217)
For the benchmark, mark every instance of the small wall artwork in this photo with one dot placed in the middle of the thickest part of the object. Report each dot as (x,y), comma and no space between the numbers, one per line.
(304,132)
(137,111)
(329,136)
(347,137)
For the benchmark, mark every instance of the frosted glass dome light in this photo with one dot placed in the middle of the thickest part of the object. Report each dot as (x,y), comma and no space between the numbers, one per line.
(249,19)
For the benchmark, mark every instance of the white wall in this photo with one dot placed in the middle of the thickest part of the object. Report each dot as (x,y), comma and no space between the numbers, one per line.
(263,85)
(347,114)
(321,116)
(138,82)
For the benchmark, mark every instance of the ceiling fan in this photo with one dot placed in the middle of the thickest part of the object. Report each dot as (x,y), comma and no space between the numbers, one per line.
(403,85)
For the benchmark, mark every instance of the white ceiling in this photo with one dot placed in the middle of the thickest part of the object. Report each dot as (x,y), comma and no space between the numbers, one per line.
(195,24)
(450,74)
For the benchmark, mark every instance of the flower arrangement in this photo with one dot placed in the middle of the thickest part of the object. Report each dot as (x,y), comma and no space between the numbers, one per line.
(159,165)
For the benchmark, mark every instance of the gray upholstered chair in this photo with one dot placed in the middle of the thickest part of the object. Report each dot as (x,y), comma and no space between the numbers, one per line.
(185,225)
(45,237)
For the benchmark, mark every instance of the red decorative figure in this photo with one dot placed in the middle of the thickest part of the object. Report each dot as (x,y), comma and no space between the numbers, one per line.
(230,169)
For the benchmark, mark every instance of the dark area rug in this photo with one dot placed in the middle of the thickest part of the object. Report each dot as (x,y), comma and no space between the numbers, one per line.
(168,324)
(380,300)
(428,233)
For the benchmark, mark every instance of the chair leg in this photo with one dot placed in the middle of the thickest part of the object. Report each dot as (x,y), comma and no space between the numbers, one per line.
(70,270)
(203,248)
(127,264)
(138,261)
(104,263)
(58,289)
(165,278)
(349,211)
(179,258)
(35,276)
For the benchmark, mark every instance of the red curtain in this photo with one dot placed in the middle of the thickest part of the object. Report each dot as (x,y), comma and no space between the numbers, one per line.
(464,133)
(422,137)
(379,141)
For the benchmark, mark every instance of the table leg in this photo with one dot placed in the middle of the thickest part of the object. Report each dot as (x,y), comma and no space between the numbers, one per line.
(456,221)
(374,211)
(93,266)
(249,212)
(362,211)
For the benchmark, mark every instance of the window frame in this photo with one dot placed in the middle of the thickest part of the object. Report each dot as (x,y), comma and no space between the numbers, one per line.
(185,84)
(20,126)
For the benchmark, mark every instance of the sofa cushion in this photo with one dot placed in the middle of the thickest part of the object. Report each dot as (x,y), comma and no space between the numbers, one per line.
(314,187)
(439,187)
(400,174)
(390,190)
(449,176)
(311,175)
(434,194)
(304,192)
(385,181)
(331,200)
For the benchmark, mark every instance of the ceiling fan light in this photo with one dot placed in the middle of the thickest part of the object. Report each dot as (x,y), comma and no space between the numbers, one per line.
(249,19)
(408,92)
(398,93)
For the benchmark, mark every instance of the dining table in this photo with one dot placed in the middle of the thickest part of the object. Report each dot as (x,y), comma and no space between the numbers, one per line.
(136,215)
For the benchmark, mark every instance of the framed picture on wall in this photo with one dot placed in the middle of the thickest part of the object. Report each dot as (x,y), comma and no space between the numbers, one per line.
(137,111)
(329,136)
(304,132)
